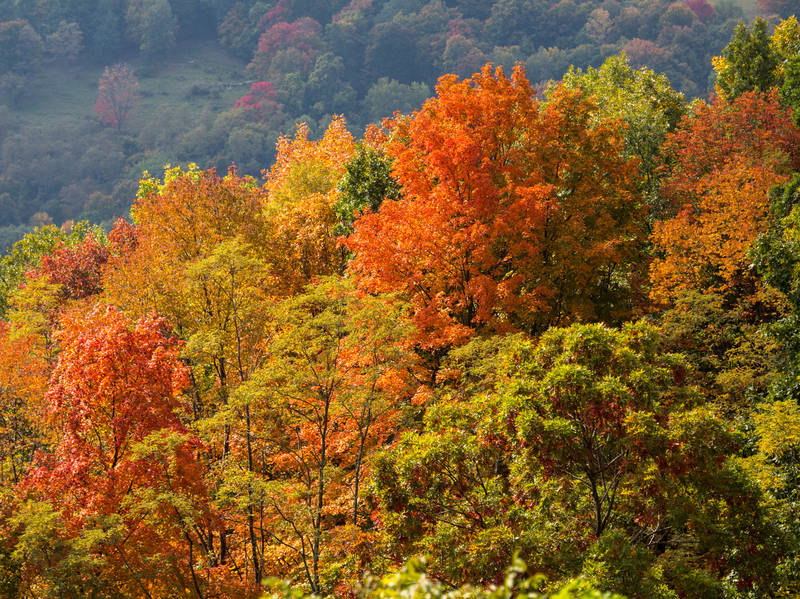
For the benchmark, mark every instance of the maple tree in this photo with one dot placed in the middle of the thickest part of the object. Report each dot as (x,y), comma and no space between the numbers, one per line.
(500,196)
(751,126)
(24,371)
(77,269)
(721,162)
(696,248)
(175,222)
(300,212)
(116,95)
(123,454)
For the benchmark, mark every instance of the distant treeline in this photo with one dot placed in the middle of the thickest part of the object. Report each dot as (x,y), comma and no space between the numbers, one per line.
(307,61)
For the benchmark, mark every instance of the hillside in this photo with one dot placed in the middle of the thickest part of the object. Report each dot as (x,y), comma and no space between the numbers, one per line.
(363,59)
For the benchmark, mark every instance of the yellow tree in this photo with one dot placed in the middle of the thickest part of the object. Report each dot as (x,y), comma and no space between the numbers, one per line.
(190,257)
(300,215)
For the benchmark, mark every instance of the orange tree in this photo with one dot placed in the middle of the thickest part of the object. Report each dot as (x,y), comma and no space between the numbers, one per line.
(514,215)
(123,473)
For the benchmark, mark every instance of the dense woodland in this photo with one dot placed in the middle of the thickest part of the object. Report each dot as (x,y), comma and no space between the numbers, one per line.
(520,341)
(305,60)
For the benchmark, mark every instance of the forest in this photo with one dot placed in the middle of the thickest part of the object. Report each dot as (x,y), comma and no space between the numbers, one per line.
(521,339)
(219,81)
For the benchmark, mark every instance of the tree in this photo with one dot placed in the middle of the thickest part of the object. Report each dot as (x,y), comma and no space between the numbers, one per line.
(300,217)
(294,45)
(20,47)
(190,258)
(721,161)
(367,181)
(474,164)
(66,43)
(196,256)
(584,451)
(24,371)
(776,255)
(752,127)
(27,254)
(385,97)
(76,269)
(696,250)
(327,90)
(116,95)
(152,25)
(775,465)
(125,463)
(262,101)
(647,104)
(748,62)
(326,396)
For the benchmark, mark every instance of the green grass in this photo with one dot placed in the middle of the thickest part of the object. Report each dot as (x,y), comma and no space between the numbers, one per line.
(67,92)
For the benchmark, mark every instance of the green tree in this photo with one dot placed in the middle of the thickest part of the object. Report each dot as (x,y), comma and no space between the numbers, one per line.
(586,439)
(777,257)
(151,25)
(748,62)
(645,101)
(387,96)
(367,181)
(325,398)
(20,47)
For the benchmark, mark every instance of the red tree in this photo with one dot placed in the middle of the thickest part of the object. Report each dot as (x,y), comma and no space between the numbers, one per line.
(701,8)
(77,269)
(753,127)
(262,101)
(116,95)
(301,39)
(115,399)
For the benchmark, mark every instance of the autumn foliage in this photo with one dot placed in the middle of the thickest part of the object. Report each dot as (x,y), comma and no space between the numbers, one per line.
(262,101)
(123,452)
(77,270)
(439,340)
(116,95)
(721,162)
(504,224)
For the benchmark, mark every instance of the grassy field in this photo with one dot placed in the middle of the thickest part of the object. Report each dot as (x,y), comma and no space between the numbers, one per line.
(199,75)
